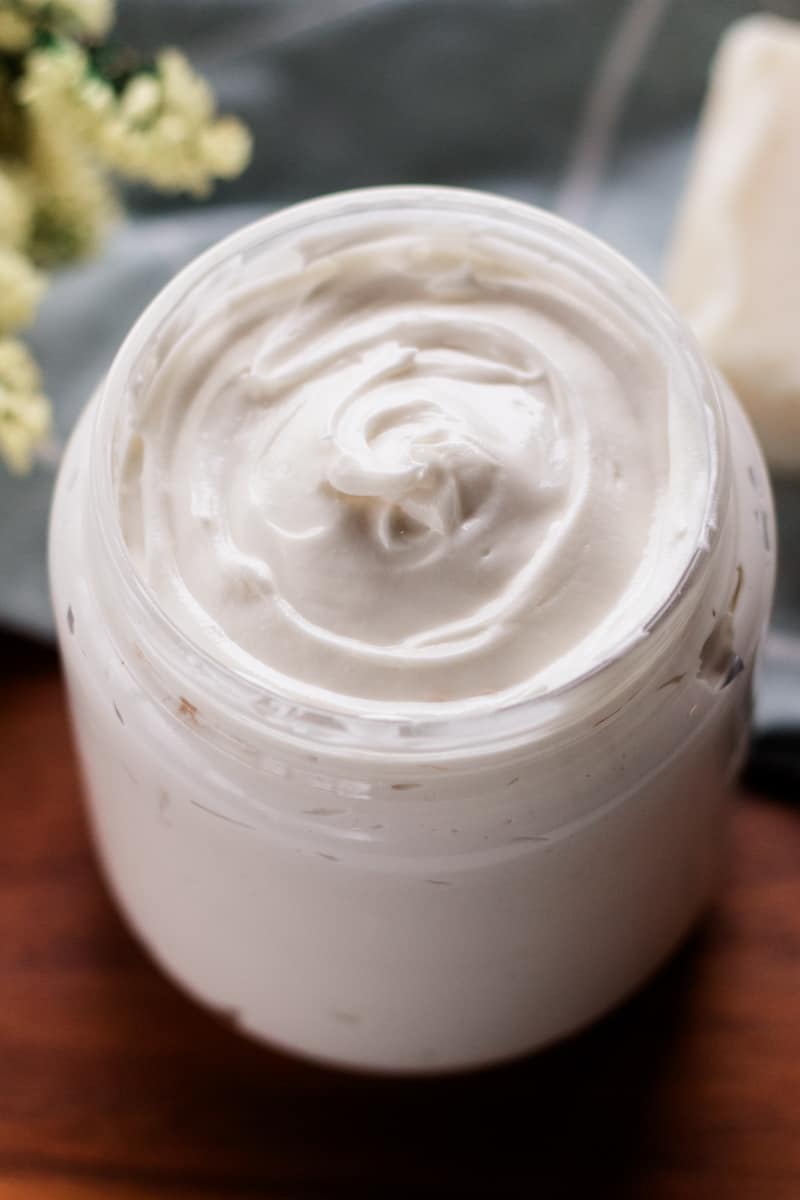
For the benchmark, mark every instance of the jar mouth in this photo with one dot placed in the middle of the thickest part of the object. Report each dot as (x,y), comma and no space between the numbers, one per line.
(259,708)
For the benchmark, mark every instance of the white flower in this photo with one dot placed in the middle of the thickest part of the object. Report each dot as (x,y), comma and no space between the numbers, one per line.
(20,20)
(141,100)
(89,18)
(16,209)
(184,92)
(21,288)
(24,411)
(226,146)
(161,130)
(16,32)
(73,204)
(53,82)
(164,131)
(64,126)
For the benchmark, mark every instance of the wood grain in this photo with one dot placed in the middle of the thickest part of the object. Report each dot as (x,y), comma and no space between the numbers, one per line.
(113,1086)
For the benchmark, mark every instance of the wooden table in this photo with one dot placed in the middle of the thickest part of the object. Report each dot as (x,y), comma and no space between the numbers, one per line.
(113,1086)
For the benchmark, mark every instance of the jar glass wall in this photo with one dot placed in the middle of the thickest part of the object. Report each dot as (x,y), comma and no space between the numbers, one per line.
(422,892)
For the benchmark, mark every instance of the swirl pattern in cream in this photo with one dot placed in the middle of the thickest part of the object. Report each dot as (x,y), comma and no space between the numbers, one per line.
(411,465)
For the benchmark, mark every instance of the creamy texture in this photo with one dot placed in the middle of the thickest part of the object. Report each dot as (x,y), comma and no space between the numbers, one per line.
(411,463)
(336,887)
(734,267)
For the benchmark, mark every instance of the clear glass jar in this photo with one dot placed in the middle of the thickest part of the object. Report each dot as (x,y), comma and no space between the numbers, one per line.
(411,894)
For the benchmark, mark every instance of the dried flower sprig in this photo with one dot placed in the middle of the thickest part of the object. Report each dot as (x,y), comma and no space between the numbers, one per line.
(73,113)
(24,411)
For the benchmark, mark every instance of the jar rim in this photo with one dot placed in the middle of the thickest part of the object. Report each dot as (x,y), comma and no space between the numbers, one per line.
(260,709)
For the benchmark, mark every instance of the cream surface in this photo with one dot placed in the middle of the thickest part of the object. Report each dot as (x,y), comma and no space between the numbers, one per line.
(411,464)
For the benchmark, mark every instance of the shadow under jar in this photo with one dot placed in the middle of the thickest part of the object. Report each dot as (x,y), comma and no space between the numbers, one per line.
(382,849)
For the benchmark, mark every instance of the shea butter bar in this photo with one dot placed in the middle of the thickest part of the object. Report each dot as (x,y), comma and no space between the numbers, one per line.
(734,267)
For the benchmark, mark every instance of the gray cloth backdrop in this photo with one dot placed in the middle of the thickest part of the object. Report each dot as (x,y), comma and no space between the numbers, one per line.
(584,106)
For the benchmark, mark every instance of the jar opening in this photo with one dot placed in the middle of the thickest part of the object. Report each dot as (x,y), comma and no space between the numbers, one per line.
(275,710)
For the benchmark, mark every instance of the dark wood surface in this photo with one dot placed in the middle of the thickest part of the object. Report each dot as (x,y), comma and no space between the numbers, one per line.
(114,1086)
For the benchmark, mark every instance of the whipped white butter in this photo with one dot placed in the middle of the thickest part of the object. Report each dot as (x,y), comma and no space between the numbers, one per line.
(412,464)
(409,451)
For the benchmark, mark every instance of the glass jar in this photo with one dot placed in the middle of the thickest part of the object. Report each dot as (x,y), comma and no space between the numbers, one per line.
(411,894)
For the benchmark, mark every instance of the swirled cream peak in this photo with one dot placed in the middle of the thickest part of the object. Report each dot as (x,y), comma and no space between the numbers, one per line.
(412,464)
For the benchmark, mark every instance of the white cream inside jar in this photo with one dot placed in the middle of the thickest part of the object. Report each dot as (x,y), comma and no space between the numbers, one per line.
(411,464)
(383,798)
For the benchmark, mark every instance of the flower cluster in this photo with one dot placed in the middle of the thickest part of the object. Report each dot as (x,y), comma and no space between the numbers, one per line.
(24,411)
(158,126)
(73,113)
(23,21)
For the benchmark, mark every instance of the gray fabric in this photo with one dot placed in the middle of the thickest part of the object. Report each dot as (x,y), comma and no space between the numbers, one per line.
(344,93)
